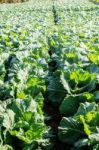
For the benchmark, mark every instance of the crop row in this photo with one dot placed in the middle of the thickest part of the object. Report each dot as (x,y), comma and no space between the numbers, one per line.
(23,67)
(49,50)
(73,82)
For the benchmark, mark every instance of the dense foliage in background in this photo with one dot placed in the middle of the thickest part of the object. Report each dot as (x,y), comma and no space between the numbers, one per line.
(49,60)
(12,1)
(95,1)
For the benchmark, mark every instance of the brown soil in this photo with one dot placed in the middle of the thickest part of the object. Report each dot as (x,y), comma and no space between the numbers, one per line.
(54,123)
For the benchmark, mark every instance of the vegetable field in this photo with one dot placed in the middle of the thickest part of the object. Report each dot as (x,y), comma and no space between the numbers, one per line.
(49,75)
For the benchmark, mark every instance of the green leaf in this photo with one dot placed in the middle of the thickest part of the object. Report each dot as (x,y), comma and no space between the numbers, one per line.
(55,91)
(69,105)
(96,147)
(85,108)
(93,57)
(81,143)
(96,95)
(65,83)
(9,118)
(94,137)
(69,130)
(6,147)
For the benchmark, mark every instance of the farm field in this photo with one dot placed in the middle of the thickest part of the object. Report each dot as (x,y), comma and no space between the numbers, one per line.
(49,75)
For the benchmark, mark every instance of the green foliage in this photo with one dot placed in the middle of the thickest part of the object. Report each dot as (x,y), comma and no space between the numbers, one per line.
(27,34)
(82,129)
(22,119)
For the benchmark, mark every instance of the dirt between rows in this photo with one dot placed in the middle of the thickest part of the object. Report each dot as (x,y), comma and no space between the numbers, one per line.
(54,123)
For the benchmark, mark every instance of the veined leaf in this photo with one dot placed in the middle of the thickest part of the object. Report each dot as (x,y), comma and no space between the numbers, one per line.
(69,130)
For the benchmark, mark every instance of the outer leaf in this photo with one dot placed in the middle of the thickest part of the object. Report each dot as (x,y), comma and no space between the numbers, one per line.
(55,91)
(85,108)
(69,105)
(5,147)
(80,143)
(96,147)
(69,130)
(9,117)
